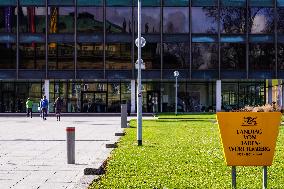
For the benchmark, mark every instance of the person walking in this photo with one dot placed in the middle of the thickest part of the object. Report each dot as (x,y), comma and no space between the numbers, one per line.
(58,107)
(44,106)
(29,106)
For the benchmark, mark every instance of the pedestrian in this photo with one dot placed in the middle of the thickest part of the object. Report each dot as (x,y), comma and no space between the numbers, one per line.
(29,106)
(58,107)
(44,106)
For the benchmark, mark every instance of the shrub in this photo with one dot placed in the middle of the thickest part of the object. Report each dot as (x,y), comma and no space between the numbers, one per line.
(264,108)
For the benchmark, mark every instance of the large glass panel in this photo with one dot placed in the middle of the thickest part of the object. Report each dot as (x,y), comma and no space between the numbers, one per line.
(280,23)
(61,2)
(204,2)
(204,20)
(251,94)
(118,56)
(150,19)
(233,56)
(90,56)
(176,20)
(61,19)
(280,3)
(119,3)
(238,3)
(176,55)
(32,56)
(61,56)
(280,62)
(32,19)
(233,20)
(149,3)
(7,56)
(8,19)
(261,20)
(118,19)
(262,57)
(151,55)
(114,97)
(89,2)
(176,2)
(262,3)
(90,19)
(204,56)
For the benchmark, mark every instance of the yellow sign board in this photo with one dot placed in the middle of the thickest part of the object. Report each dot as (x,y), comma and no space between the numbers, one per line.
(249,138)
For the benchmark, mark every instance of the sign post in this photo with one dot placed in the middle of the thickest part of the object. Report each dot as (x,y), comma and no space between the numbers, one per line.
(249,139)
(140,42)
(176,74)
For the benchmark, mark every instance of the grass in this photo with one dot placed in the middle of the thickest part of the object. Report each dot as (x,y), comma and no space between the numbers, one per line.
(181,154)
(188,116)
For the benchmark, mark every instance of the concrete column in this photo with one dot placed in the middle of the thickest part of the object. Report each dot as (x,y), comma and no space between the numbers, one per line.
(133,89)
(269,95)
(218,96)
(46,90)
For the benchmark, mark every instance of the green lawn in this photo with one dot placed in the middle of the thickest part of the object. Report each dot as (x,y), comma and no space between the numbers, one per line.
(181,154)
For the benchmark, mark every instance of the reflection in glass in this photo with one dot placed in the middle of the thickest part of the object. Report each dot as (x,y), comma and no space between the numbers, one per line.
(233,20)
(280,62)
(262,57)
(119,19)
(7,56)
(32,56)
(151,55)
(61,19)
(32,19)
(176,55)
(90,56)
(176,20)
(233,56)
(150,19)
(261,20)
(280,24)
(204,56)
(204,19)
(60,56)
(114,97)
(8,19)
(90,19)
(118,56)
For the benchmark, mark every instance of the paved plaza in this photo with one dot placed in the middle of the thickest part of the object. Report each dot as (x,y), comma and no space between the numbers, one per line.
(33,152)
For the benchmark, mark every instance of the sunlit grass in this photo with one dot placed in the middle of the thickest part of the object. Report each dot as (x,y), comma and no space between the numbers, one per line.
(181,154)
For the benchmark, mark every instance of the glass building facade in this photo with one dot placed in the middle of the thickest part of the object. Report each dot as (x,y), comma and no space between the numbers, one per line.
(86,50)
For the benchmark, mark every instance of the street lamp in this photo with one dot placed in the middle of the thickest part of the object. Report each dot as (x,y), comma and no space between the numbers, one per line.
(176,74)
(140,42)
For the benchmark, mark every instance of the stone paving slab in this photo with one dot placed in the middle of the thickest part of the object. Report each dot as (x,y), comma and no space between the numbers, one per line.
(33,151)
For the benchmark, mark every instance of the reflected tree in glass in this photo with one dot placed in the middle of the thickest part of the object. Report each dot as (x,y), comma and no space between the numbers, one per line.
(204,19)
(233,56)
(233,20)
(262,57)
(204,56)
(176,55)
(261,20)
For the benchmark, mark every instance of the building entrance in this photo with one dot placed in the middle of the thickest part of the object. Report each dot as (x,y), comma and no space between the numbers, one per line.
(94,102)
(153,101)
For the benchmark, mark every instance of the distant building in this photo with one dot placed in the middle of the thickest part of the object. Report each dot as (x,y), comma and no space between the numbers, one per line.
(229,54)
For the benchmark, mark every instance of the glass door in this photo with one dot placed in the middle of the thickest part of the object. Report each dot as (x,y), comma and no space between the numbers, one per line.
(100,102)
(94,102)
